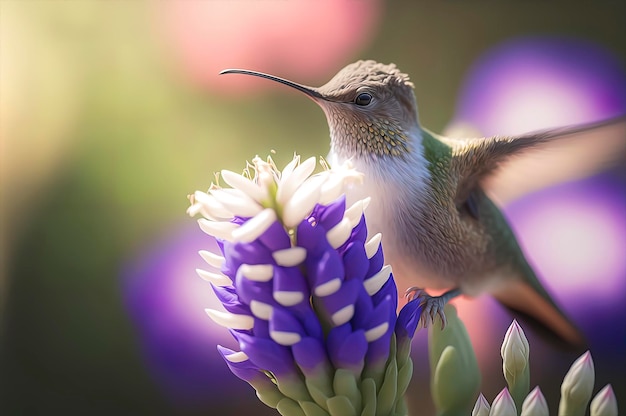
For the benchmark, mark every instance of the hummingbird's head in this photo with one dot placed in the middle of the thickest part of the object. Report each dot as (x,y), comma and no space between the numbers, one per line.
(370,108)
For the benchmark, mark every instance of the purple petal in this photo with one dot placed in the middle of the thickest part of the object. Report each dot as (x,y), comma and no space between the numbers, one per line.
(389,289)
(355,261)
(290,279)
(261,329)
(249,290)
(283,321)
(313,239)
(346,348)
(376,262)
(236,254)
(228,296)
(363,308)
(408,318)
(309,320)
(378,349)
(309,353)
(330,215)
(345,296)
(325,268)
(245,370)
(267,354)
(275,237)
(359,233)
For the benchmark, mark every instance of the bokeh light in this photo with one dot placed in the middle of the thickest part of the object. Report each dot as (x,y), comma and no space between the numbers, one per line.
(534,83)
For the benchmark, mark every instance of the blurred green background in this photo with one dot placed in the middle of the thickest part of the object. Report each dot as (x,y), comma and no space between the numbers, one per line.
(106,127)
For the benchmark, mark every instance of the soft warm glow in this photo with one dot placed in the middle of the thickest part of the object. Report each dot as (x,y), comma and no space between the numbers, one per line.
(308,38)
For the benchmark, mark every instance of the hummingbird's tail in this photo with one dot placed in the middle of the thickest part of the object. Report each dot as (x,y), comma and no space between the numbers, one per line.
(530,302)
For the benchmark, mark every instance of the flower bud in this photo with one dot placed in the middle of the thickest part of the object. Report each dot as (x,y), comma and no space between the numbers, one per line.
(577,387)
(604,404)
(535,404)
(503,405)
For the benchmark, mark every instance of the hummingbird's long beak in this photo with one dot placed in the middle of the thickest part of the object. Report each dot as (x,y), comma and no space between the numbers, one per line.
(310,91)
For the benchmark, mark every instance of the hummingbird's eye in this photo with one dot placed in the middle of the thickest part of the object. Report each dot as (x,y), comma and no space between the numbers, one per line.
(363,99)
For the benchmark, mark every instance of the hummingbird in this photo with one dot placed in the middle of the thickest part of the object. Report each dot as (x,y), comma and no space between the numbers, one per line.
(440,229)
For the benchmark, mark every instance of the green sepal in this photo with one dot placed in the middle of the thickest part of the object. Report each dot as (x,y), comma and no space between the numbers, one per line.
(341,406)
(312,409)
(368,393)
(404,378)
(319,396)
(293,387)
(388,390)
(345,384)
(270,396)
(288,407)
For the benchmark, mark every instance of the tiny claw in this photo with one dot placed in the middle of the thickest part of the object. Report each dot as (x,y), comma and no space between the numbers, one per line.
(444,320)
(412,293)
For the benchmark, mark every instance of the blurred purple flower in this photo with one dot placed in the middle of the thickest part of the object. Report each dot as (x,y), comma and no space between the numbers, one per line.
(539,82)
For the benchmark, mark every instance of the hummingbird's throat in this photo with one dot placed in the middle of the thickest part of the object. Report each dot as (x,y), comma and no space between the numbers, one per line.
(365,138)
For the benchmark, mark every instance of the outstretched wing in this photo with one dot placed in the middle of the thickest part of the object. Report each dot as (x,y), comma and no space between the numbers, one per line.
(551,156)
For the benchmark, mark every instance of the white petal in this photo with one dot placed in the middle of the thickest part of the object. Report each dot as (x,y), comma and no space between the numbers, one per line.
(257,272)
(331,190)
(212,259)
(237,202)
(374,283)
(211,207)
(285,338)
(343,315)
(303,200)
(354,213)
(237,357)
(255,226)
(289,257)
(218,279)
(366,202)
(245,185)
(230,320)
(288,170)
(219,229)
(371,247)
(340,233)
(328,288)
(289,184)
(194,209)
(288,298)
(261,310)
(376,332)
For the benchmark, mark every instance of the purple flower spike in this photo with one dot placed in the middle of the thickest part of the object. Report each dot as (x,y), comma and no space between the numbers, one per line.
(311,304)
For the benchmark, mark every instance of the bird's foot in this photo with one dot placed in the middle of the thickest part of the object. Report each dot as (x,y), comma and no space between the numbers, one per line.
(432,306)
